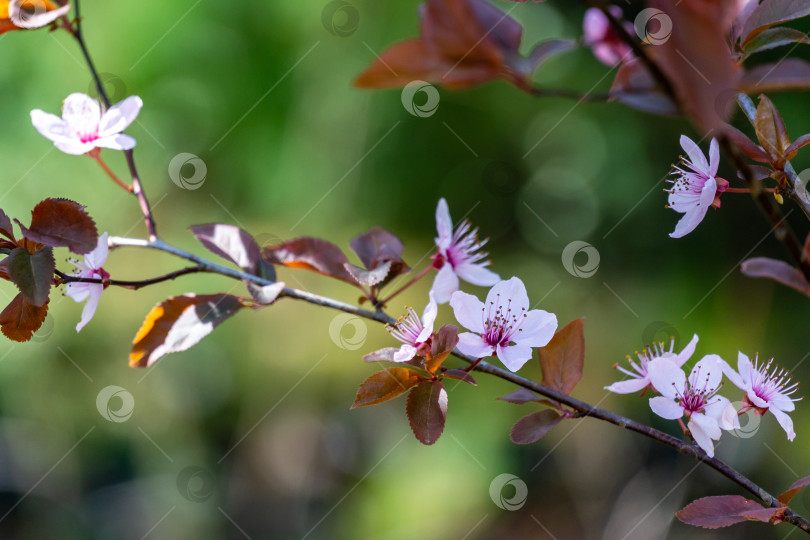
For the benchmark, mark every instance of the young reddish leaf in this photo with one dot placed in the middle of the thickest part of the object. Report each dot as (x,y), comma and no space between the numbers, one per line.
(563,358)
(427,410)
(696,58)
(521,396)
(770,13)
(766,515)
(802,141)
(384,385)
(265,294)
(789,74)
(381,253)
(775,37)
(533,427)
(771,130)
(794,488)
(749,148)
(460,375)
(20,319)
(62,223)
(229,242)
(32,273)
(311,254)
(720,511)
(441,346)
(462,43)
(6,228)
(178,323)
(778,271)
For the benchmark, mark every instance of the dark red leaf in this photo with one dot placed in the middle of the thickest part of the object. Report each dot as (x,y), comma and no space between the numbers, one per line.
(563,358)
(778,271)
(229,242)
(376,246)
(178,323)
(794,488)
(62,223)
(384,385)
(427,410)
(311,254)
(752,150)
(637,88)
(789,74)
(775,37)
(772,12)
(462,43)
(720,511)
(771,131)
(460,375)
(6,228)
(382,355)
(696,58)
(531,428)
(521,396)
(369,277)
(20,319)
(32,273)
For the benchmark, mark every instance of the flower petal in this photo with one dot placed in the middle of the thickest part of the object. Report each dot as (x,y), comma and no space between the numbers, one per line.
(116,142)
(511,292)
(78,291)
(92,303)
(468,311)
(405,353)
(667,378)
(714,157)
(477,274)
(118,117)
(514,356)
(82,113)
(695,155)
(444,284)
(693,217)
(687,352)
(96,258)
(784,421)
(704,429)
(732,375)
(666,408)
(50,126)
(473,345)
(781,402)
(708,372)
(428,319)
(537,329)
(629,386)
(444,225)
(745,370)
(74,147)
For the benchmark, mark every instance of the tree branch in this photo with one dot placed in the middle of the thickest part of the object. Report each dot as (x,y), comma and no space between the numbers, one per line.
(132,285)
(584,409)
(137,187)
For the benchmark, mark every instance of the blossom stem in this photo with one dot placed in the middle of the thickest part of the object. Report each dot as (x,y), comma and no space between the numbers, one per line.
(137,187)
(97,156)
(132,285)
(421,274)
(747,190)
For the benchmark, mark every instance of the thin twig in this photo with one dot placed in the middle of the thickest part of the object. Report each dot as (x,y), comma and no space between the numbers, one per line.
(132,285)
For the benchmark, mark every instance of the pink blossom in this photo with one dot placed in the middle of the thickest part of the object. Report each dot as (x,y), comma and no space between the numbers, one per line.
(90,268)
(765,391)
(697,187)
(640,379)
(504,325)
(695,397)
(412,332)
(84,126)
(605,43)
(458,257)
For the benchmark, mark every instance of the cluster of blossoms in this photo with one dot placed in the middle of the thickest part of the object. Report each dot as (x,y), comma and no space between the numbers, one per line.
(696,396)
(503,326)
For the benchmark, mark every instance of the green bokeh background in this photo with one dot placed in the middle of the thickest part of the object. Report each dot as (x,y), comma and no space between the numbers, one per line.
(249,434)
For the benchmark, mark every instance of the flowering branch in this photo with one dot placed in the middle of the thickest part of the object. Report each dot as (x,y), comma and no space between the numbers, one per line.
(581,408)
(132,285)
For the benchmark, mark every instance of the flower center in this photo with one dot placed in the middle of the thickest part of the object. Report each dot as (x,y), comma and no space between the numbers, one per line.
(501,323)
(407,328)
(767,385)
(695,398)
